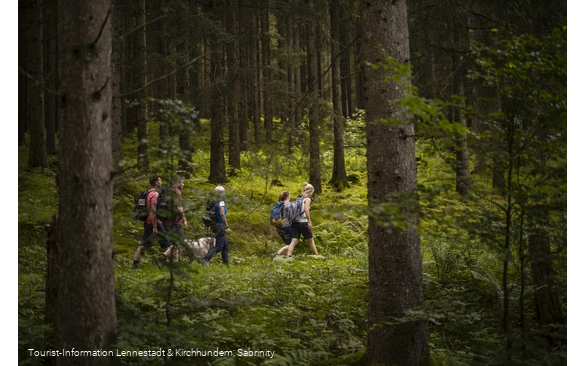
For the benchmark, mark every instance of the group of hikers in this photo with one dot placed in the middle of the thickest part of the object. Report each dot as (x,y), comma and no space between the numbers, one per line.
(294,225)
(168,232)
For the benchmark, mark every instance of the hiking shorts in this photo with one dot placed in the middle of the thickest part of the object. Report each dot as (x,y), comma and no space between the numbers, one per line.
(299,228)
(285,233)
(148,237)
(175,233)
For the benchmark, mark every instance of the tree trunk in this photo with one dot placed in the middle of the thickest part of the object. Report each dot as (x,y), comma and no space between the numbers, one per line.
(255,53)
(339,176)
(546,297)
(359,76)
(51,282)
(86,317)
(195,73)
(479,127)
(281,112)
(318,47)
(184,91)
(314,95)
(117,136)
(298,78)
(50,69)
(498,162)
(233,51)
(218,109)
(244,64)
(244,104)
(395,262)
(266,73)
(38,147)
(463,180)
(162,38)
(128,112)
(344,69)
(23,83)
(140,74)
(291,82)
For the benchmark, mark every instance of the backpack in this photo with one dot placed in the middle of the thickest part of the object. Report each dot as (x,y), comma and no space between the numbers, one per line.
(276,214)
(296,209)
(140,211)
(210,217)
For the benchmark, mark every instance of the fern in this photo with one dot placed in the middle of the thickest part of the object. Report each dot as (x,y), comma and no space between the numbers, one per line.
(299,358)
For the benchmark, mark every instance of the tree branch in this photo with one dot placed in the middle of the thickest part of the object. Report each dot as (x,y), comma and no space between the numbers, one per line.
(161,78)
(102,28)
(41,84)
(141,26)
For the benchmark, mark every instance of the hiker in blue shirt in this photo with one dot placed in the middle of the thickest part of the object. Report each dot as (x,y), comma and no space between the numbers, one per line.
(219,229)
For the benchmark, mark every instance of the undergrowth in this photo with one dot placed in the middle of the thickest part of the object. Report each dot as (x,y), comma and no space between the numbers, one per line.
(307,311)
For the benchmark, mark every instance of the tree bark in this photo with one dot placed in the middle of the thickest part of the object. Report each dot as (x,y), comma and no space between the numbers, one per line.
(38,147)
(128,112)
(140,74)
(255,54)
(22,80)
(116,65)
(339,176)
(395,262)
(546,298)
(218,110)
(51,282)
(359,76)
(345,70)
(281,112)
(314,115)
(50,70)
(298,77)
(244,64)
(291,82)
(86,318)
(462,177)
(184,90)
(498,162)
(234,85)
(266,73)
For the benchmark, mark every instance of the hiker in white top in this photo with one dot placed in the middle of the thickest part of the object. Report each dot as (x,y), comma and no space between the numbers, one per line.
(303,225)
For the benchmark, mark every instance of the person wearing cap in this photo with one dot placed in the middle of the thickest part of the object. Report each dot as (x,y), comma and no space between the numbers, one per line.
(220,230)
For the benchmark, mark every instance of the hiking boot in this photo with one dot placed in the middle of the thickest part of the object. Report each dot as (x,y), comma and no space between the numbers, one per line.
(160,261)
(203,262)
(274,255)
(134,266)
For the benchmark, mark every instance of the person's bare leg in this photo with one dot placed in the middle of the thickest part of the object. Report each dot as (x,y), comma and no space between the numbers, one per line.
(138,253)
(312,247)
(292,246)
(172,251)
(282,250)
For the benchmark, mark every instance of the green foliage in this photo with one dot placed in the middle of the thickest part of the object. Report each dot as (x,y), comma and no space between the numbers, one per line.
(37,193)
(299,357)
(314,311)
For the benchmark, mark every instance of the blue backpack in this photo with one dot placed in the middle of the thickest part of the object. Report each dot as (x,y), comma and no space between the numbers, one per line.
(276,214)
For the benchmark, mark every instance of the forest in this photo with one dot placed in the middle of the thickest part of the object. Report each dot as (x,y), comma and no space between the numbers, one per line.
(433,136)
